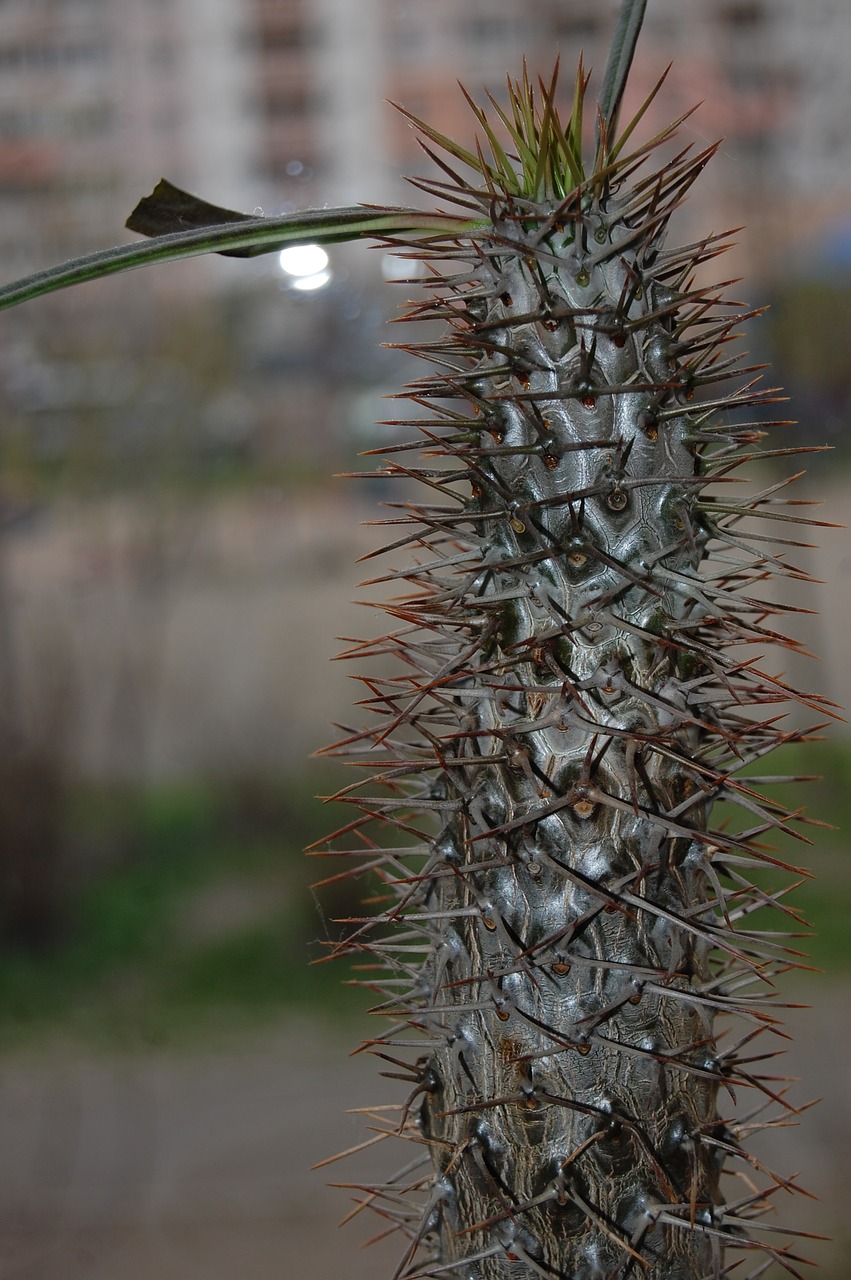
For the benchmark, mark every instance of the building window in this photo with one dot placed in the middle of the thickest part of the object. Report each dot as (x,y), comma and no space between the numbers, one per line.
(576,27)
(290,102)
(489,30)
(743,13)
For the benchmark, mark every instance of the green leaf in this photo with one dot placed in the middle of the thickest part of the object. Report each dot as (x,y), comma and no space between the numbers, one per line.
(618,66)
(239,234)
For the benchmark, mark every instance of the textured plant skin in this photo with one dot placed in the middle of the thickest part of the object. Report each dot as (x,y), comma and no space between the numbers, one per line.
(563,939)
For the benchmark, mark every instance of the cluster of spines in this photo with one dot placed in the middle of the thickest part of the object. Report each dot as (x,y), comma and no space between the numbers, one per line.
(560,924)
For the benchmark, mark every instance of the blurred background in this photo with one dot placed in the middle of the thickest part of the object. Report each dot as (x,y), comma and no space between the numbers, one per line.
(176,562)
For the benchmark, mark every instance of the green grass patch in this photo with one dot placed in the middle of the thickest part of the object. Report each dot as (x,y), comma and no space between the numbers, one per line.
(824,897)
(184,907)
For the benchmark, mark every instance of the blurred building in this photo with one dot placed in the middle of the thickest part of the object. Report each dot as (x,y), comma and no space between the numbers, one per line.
(274,105)
(282,103)
(773,78)
(98,98)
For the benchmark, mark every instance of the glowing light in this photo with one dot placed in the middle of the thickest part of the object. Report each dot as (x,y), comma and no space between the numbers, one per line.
(303,260)
(317,280)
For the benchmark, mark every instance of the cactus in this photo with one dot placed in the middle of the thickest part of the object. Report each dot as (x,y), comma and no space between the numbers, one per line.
(563,929)
(560,804)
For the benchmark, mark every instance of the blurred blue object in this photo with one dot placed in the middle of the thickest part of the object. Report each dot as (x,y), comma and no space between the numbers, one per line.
(834,252)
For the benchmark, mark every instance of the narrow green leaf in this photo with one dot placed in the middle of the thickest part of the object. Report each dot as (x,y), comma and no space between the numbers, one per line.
(618,65)
(242,234)
(573,132)
(543,178)
(515,132)
(504,167)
